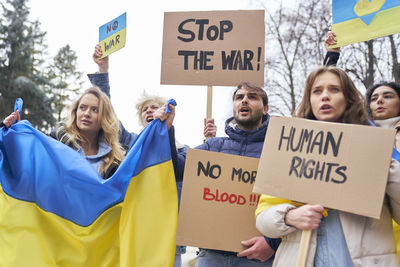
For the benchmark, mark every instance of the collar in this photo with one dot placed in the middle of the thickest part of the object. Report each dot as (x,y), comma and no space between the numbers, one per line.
(232,123)
(389,123)
(104,149)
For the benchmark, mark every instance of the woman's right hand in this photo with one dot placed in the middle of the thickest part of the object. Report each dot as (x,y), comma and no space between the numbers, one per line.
(102,63)
(11,119)
(331,40)
(163,116)
(306,217)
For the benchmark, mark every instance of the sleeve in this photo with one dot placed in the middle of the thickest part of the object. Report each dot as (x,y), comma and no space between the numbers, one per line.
(125,138)
(393,189)
(271,212)
(102,81)
(271,222)
(178,157)
(53,133)
(174,153)
(273,242)
(331,58)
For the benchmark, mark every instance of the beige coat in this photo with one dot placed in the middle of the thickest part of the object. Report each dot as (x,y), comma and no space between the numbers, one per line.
(390,124)
(370,241)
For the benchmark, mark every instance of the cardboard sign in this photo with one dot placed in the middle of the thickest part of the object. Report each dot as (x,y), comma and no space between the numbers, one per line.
(361,20)
(217,203)
(112,35)
(336,165)
(213,48)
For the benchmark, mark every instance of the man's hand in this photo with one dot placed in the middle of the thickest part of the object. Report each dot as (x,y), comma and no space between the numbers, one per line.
(306,217)
(258,249)
(210,129)
(102,63)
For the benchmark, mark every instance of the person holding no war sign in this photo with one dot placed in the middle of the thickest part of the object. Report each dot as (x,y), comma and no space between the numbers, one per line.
(340,238)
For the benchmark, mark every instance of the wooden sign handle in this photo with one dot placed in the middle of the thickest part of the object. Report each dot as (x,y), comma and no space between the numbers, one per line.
(304,246)
(209,103)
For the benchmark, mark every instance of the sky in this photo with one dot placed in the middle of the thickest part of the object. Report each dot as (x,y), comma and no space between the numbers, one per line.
(137,66)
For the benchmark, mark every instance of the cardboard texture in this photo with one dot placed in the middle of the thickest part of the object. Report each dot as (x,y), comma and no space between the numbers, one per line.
(217,212)
(339,166)
(219,48)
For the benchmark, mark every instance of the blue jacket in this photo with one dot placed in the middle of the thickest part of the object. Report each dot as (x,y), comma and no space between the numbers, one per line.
(101,80)
(239,142)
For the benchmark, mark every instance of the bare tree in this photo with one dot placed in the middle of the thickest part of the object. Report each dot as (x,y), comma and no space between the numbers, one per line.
(294,35)
(372,61)
(295,32)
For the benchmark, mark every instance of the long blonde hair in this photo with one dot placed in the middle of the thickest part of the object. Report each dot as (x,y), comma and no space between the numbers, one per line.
(109,127)
(355,111)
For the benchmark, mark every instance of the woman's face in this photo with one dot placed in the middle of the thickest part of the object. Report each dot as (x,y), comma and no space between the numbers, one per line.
(385,103)
(327,99)
(148,110)
(87,114)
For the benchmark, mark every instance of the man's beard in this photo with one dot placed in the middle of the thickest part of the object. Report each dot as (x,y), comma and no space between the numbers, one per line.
(249,123)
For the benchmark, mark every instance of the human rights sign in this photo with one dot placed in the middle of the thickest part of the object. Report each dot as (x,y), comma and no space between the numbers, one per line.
(332,164)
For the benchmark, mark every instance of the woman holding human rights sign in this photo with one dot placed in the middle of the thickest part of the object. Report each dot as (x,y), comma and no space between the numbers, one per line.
(383,105)
(339,238)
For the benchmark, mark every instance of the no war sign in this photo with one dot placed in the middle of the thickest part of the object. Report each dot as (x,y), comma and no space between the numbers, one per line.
(112,35)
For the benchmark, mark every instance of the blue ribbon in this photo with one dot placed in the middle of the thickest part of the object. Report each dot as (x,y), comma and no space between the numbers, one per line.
(396,154)
(172,102)
(18,105)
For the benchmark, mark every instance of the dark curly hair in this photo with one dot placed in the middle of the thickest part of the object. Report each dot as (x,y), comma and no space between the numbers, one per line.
(370,91)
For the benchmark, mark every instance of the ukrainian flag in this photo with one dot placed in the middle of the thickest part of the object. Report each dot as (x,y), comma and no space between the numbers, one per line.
(361,20)
(55,210)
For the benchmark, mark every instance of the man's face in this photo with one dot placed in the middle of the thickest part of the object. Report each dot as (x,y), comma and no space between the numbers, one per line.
(248,109)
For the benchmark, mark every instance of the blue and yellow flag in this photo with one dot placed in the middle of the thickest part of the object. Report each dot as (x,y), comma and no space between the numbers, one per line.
(55,210)
(360,20)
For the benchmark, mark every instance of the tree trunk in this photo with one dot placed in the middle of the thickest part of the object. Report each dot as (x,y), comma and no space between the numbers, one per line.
(369,77)
(395,66)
